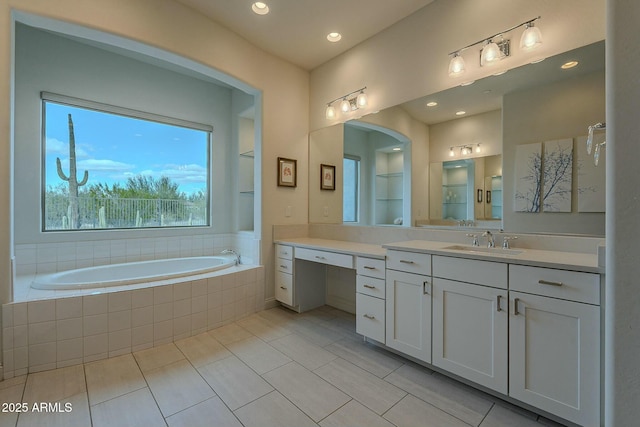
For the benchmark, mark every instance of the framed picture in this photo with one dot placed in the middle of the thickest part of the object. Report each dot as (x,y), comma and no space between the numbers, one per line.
(327,177)
(287,172)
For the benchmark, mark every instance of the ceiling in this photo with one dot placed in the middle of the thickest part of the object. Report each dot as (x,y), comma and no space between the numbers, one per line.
(296,30)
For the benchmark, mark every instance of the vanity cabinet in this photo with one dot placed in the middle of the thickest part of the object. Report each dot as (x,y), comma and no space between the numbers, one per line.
(470,320)
(554,342)
(408,303)
(284,274)
(370,298)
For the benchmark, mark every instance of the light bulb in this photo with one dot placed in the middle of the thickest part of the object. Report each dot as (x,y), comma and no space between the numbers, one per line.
(478,148)
(451,153)
(330,112)
(362,100)
(531,37)
(590,140)
(345,106)
(456,65)
(490,53)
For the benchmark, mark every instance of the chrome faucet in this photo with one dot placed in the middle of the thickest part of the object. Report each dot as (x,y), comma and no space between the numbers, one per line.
(231,251)
(491,243)
(474,242)
(505,241)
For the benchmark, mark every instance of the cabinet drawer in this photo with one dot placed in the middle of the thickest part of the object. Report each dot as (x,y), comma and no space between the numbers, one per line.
(411,262)
(370,320)
(284,287)
(370,286)
(283,251)
(284,265)
(370,267)
(485,273)
(569,285)
(324,257)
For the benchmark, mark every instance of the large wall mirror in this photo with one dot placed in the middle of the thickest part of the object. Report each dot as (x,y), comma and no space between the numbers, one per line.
(539,103)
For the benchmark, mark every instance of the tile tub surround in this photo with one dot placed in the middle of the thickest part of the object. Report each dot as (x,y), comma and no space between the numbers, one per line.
(52,257)
(57,332)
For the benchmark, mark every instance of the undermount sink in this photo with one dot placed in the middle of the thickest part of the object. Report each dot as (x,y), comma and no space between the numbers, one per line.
(478,249)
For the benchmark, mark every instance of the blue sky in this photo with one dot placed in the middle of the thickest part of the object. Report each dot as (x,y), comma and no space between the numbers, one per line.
(113,148)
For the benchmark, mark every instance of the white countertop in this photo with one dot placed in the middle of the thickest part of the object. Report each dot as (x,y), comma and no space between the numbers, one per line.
(533,257)
(341,246)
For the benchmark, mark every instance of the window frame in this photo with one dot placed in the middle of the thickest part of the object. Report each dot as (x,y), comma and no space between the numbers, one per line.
(48,97)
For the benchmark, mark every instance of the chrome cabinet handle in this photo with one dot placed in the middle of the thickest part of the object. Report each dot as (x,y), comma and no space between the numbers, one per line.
(548,282)
(283,266)
(369,268)
(424,288)
(404,261)
(498,303)
(320,257)
(369,317)
(515,306)
(283,287)
(369,286)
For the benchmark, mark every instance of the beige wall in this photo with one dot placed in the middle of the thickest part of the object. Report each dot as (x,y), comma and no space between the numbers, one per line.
(174,28)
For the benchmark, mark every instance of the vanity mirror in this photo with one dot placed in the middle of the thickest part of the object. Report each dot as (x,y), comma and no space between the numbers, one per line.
(531,104)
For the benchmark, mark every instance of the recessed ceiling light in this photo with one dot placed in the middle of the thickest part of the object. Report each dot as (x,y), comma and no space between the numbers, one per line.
(260,8)
(467,83)
(460,113)
(537,60)
(432,104)
(499,73)
(334,37)
(568,65)
(396,148)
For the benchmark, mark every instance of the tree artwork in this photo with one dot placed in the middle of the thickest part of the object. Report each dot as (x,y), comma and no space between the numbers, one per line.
(73,222)
(544,183)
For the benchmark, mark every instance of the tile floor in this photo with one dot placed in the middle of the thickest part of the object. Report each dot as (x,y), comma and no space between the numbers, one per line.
(275,368)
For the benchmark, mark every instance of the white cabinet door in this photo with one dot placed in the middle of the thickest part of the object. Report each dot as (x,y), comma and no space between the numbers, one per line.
(470,331)
(554,356)
(409,314)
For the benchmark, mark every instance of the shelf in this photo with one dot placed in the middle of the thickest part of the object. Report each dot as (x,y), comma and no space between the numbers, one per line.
(247,192)
(453,185)
(389,200)
(389,175)
(454,203)
(249,154)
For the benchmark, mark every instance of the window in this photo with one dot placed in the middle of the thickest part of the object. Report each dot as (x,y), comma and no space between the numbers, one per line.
(107,167)
(351,189)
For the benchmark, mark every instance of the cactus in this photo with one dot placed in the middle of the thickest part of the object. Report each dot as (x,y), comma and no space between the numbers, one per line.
(72,179)
(138,219)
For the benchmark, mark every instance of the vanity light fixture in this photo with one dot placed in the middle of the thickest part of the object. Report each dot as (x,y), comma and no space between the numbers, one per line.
(493,51)
(260,8)
(598,146)
(349,102)
(465,150)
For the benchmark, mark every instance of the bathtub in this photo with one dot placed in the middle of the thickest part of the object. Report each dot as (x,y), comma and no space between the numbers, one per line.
(131,272)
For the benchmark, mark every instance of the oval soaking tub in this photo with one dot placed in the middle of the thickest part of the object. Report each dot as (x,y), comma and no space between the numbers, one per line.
(131,272)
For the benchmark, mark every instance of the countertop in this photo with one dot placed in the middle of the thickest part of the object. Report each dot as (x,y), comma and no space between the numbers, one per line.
(538,258)
(341,246)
